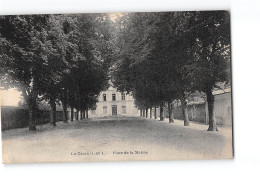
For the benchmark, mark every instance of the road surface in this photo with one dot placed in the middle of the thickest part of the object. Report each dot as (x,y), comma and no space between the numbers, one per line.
(115,139)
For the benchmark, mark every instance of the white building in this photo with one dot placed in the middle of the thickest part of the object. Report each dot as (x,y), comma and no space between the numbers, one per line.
(112,103)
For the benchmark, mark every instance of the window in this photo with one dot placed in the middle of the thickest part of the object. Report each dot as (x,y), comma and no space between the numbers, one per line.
(93,112)
(113,97)
(123,96)
(104,97)
(123,110)
(104,110)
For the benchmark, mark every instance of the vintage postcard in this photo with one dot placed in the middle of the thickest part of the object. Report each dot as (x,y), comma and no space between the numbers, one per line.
(116,87)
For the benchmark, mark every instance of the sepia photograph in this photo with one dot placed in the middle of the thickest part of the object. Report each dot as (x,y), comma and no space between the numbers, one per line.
(130,86)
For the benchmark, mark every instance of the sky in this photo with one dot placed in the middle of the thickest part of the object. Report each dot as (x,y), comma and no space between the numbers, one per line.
(10,97)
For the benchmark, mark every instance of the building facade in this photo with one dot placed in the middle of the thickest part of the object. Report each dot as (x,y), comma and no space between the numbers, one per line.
(114,103)
(223,107)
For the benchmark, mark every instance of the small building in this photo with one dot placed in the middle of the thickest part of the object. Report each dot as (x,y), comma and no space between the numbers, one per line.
(112,103)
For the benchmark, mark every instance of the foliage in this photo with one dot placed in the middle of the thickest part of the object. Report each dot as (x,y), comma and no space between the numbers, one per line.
(55,58)
(164,57)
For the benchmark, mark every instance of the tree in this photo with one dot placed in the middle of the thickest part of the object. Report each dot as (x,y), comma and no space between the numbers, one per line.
(147,69)
(89,74)
(24,50)
(59,58)
(211,55)
(183,50)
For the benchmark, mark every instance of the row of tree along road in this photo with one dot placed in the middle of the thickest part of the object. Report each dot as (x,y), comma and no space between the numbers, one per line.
(166,57)
(55,58)
(160,58)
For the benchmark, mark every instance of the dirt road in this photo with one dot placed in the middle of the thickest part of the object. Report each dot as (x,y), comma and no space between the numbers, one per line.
(115,139)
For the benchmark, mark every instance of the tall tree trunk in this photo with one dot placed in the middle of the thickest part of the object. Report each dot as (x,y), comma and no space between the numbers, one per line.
(151,112)
(65,114)
(84,114)
(87,113)
(155,116)
(71,114)
(81,114)
(146,112)
(143,112)
(140,112)
(171,120)
(77,115)
(64,102)
(53,112)
(30,99)
(184,111)
(212,121)
(161,112)
(32,113)
(32,119)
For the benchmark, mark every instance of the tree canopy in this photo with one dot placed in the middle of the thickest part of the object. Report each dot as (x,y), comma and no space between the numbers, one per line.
(166,56)
(56,58)
(160,58)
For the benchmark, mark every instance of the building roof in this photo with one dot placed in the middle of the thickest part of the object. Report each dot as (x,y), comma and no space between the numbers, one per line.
(221,91)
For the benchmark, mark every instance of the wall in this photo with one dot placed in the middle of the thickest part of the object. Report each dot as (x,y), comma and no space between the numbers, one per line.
(223,109)
(197,111)
(13,117)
